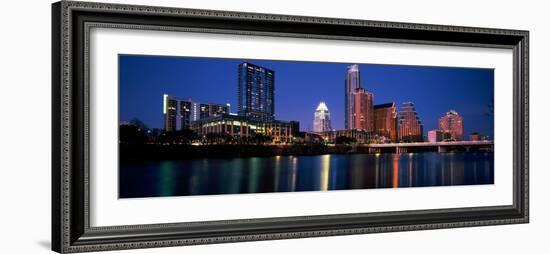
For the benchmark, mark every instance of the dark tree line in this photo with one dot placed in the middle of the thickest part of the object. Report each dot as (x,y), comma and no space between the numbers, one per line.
(134,134)
(343,140)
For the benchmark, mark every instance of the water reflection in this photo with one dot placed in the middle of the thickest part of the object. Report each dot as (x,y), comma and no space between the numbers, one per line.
(302,173)
(325,169)
(395,170)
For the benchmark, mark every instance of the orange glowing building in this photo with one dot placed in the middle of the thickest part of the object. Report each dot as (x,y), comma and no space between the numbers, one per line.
(410,127)
(363,111)
(385,120)
(453,124)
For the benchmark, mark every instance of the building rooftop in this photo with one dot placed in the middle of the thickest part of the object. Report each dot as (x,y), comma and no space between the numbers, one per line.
(384,105)
(322,107)
(235,118)
(353,67)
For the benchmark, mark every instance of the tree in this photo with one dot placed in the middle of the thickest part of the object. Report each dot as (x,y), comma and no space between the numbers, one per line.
(261,138)
(138,123)
(130,134)
(344,140)
(212,138)
(186,136)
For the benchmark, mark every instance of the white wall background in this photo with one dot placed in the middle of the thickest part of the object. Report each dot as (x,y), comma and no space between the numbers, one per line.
(25,125)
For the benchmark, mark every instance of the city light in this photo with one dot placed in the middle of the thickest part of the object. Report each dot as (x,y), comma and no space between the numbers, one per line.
(348,141)
(366,123)
(164,98)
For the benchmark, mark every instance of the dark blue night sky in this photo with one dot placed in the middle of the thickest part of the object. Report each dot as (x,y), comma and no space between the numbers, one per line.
(300,86)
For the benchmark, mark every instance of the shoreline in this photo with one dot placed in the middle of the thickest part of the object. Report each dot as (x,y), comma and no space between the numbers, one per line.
(186,151)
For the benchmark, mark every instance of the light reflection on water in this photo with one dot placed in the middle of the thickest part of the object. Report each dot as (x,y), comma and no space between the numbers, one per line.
(302,173)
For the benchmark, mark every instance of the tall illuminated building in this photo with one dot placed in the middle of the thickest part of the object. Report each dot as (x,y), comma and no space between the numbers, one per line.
(352,82)
(321,121)
(410,127)
(385,120)
(169,109)
(363,112)
(187,113)
(256,92)
(453,124)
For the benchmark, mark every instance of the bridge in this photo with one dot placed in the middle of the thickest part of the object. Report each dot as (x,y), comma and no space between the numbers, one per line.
(486,145)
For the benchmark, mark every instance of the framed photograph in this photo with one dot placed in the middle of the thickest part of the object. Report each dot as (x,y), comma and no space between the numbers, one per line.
(181,126)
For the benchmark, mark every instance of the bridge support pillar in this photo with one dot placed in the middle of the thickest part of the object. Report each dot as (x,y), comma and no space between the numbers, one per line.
(441,149)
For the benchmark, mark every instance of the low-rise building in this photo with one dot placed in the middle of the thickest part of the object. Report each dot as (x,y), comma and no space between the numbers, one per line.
(435,136)
(355,136)
(241,127)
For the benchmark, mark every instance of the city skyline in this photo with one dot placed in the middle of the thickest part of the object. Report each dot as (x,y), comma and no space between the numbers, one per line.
(193,76)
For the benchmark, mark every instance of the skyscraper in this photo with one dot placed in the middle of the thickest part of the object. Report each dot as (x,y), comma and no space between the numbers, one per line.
(363,112)
(352,82)
(169,108)
(321,122)
(410,127)
(187,114)
(453,124)
(385,120)
(256,92)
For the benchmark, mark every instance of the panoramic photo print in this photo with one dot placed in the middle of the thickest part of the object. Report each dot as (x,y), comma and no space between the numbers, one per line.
(207,126)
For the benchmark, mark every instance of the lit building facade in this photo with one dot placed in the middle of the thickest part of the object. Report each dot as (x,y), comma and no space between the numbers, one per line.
(363,112)
(256,92)
(321,121)
(352,82)
(453,124)
(242,127)
(187,112)
(385,120)
(435,136)
(359,136)
(409,126)
(179,114)
(170,111)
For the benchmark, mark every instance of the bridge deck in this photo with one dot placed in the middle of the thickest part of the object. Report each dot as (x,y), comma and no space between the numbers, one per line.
(433,144)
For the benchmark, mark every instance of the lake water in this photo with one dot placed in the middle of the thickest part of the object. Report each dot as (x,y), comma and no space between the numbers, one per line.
(161,178)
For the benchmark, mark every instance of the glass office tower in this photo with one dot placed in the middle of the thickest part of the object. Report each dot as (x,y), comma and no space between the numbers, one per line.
(256,92)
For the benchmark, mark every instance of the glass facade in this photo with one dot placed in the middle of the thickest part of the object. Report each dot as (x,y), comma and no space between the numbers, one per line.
(453,124)
(186,113)
(321,121)
(410,127)
(170,113)
(256,92)
(357,136)
(385,120)
(363,112)
(242,127)
(352,82)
